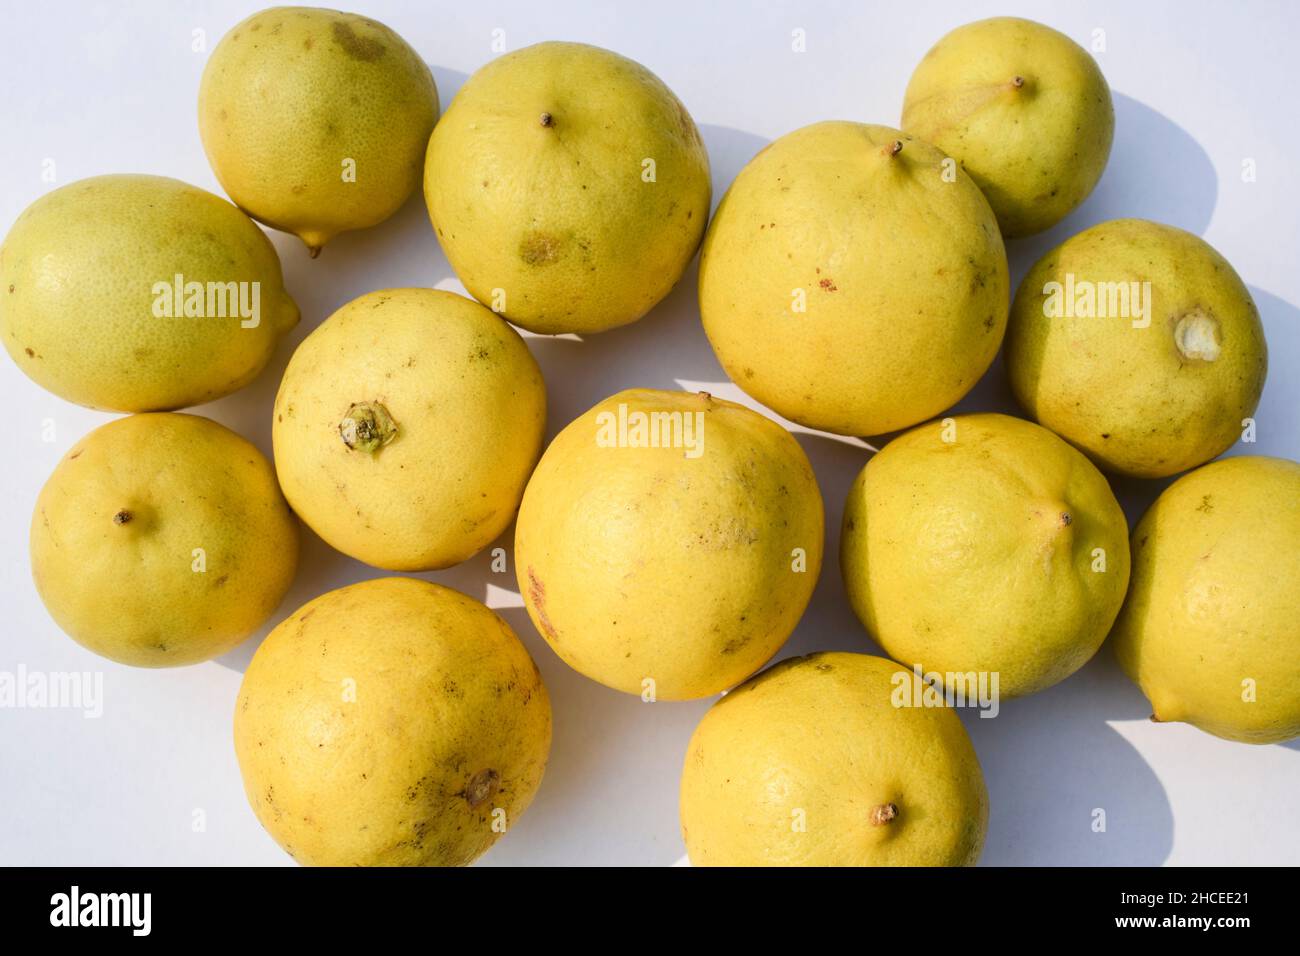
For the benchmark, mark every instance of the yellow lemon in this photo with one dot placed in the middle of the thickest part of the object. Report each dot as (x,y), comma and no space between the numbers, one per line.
(1211,627)
(816,762)
(406,426)
(162,539)
(1024,109)
(568,187)
(985,544)
(849,284)
(1139,344)
(391,723)
(315,121)
(668,543)
(140,293)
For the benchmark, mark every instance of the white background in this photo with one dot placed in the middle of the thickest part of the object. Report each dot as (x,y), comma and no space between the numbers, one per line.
(111,87)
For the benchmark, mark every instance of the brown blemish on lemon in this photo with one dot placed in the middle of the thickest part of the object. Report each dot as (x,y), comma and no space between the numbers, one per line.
(365,49)
(537,592)
(540,248)
(883,814)
(482,787)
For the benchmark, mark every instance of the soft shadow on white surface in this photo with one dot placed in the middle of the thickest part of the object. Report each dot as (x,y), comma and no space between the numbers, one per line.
(1052,760)
(1137,183)
(615,765)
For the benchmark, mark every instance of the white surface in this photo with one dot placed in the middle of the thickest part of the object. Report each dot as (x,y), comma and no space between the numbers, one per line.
(111,87)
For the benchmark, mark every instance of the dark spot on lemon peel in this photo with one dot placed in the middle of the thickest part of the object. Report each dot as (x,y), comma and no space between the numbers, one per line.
(1066,519)
(547,120)
(537,593)
(540,248)
(885,813)
(367,427)
(365,49)
(482,787)
(122,517)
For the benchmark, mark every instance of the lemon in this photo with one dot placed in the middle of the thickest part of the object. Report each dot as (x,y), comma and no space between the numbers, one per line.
(391,723)
(985,544)
(140,293)
(1211,627)
(162,539)
(406,426)
(315,121)
(568,186)
(1024,109)
(849,284)
(1139,344)
(668,543)
(813,763)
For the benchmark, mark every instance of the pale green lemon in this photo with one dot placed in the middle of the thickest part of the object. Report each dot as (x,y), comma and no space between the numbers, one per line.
(1139,344)
(315,121)
(140,293)
(1024,109)
(985,544)
(568,187)
(1211,627)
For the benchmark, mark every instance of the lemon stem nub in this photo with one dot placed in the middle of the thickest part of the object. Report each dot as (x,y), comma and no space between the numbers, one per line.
(313,251)
(883,814)
(546,119)
(122,517)
(894,148)
(367,427)
(1017,81)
